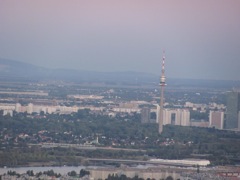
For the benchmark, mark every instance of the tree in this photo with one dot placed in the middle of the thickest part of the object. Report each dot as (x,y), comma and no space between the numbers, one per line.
(72,173)
(169,178)
(83,173)
(39,174)
(42,113)
(30,173)
(49,172)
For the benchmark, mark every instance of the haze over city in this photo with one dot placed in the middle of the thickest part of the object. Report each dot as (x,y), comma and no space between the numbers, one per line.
(119,89)
(201,38)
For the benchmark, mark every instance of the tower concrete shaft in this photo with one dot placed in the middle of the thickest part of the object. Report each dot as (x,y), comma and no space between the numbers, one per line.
(162,85)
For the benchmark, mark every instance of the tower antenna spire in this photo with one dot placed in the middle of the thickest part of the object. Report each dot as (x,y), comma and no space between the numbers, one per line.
(162,85)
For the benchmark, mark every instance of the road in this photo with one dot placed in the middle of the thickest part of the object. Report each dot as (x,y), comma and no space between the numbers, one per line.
(84,147)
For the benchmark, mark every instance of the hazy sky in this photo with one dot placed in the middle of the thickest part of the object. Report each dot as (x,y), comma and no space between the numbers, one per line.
(201,37)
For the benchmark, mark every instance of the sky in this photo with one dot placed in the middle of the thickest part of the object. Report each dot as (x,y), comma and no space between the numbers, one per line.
(201,39)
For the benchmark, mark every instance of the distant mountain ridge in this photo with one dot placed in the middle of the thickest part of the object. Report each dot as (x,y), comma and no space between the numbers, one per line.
(12,68)
(20,71)
(9,67)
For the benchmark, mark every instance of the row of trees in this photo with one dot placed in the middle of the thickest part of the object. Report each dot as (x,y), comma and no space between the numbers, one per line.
(51,173)
(124,177)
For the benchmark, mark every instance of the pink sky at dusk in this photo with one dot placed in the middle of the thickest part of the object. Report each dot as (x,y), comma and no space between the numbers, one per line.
(201,38)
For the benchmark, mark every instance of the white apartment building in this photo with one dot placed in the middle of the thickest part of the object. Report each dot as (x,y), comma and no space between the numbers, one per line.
(179,117)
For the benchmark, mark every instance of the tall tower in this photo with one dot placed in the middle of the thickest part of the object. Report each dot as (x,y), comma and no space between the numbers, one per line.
(162,85)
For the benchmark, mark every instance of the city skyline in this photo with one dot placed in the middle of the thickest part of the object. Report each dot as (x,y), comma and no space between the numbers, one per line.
(201,38)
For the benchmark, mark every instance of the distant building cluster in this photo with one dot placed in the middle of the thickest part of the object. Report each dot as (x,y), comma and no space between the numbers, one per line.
(220,116)
(86,97)
(31,108)
(149,173)
(204,107)
(51,109)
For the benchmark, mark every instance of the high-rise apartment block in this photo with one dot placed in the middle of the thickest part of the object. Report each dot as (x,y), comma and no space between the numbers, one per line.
(233,110)
(179,117)
(216,119)
(145,115)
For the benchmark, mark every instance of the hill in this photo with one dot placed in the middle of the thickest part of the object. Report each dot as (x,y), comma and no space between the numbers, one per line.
(11,70)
